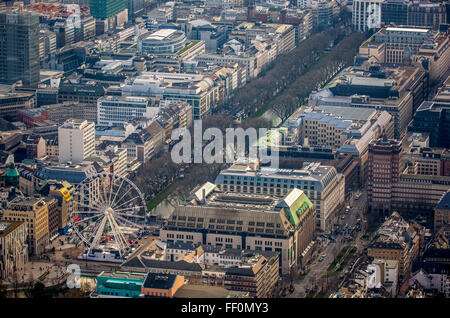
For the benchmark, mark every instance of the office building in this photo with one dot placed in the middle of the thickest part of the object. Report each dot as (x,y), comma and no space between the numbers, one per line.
(80,93)
(256,275)
(434,57)
(433,118)
(104,9)
(366,14)
(163,42)
(394,12)
(13,247)
(402,43)
(246,221)
(12,103)
(197,90)
(34,212)
(19,47)
(399,91)
(322,185)
(424,13)
(442,212)
(393,186)
(76,140)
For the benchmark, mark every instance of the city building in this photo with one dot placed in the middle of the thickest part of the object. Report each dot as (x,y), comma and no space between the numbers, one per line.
(35,147)
(190,271)
(12,103)
(246,221)
(19,47)
(116,110)
(197,90)
(366,14)
(392,186)
(60,113)
(80,93)
(62,193)
(256,275)
(13,247)
(282,34)
(76,140)
(397,90)
(383,273)
(432,117)
(397,240)
(163,42)
(434,57)
(53,216)
(424,13)
(321,184)
(119,284)
(202,30)
(442,212)
(161,285)
(403,42)
(104,9)
(65,33)
(34,212)
(331,127)
(394,12)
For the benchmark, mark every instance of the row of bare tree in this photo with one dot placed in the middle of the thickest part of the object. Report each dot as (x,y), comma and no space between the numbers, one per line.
(286,69)
(316,76)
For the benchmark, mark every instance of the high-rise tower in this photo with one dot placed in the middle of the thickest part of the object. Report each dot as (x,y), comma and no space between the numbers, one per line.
(19,47)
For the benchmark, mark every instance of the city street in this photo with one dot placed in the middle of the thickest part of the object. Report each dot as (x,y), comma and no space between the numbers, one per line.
(330,249)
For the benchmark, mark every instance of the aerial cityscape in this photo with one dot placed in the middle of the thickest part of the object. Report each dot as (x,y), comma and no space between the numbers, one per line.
(231,149)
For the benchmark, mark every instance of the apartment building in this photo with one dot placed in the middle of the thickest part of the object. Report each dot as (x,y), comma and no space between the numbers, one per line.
(34,212)
(322,184)
(245,221)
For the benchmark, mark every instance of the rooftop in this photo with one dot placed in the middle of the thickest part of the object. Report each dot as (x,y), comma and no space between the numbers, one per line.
(159,281)
(8,227)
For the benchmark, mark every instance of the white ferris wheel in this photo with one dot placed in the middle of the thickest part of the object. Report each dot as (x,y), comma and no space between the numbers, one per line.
(107,210)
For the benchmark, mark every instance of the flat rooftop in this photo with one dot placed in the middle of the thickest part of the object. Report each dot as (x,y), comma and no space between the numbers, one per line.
(349,113)
(261,203)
